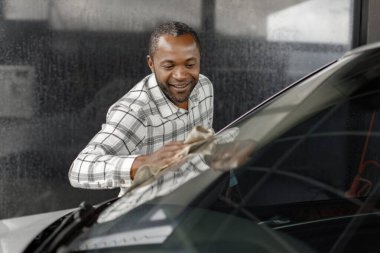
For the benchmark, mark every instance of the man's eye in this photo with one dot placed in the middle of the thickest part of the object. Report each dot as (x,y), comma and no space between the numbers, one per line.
(190,65)
(167,66)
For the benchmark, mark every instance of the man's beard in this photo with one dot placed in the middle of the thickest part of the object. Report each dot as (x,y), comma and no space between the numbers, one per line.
(175,99)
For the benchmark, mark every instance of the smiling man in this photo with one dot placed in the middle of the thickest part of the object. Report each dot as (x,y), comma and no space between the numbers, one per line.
(149,124)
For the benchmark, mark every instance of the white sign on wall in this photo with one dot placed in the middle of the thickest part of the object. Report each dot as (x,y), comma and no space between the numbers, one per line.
(17,95)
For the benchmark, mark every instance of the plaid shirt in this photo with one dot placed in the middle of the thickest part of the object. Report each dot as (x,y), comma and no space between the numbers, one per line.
(139,123)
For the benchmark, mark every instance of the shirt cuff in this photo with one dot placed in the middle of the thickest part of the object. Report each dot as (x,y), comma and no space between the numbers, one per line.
(126,181)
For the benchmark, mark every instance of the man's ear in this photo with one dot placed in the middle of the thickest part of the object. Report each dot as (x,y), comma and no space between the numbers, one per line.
(150,62)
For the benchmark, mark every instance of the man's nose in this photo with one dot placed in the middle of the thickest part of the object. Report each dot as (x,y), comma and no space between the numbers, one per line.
(180,73)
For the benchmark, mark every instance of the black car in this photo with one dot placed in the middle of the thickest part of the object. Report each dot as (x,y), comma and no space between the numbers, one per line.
(298,173)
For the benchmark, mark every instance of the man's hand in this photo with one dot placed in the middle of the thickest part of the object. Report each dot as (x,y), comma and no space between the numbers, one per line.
(162,157)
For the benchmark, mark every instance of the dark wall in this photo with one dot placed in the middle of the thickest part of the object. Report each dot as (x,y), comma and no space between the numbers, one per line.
(60,72)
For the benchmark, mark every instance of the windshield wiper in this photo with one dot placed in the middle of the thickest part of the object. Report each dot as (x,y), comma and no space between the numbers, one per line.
(69,228)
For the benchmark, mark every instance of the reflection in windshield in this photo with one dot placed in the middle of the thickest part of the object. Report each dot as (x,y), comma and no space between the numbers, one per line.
(220,152)
(228,156)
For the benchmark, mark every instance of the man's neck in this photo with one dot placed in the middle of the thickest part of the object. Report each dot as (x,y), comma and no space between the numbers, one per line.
(184,105)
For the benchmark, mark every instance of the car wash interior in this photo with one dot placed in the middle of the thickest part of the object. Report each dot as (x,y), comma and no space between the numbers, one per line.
(63,63)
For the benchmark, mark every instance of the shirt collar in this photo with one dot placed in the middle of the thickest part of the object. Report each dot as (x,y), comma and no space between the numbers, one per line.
(164,105)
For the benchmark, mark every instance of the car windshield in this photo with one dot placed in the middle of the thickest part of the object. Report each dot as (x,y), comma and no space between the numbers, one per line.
(302,165)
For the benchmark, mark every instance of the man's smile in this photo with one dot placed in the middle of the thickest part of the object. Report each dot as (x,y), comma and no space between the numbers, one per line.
(180,87)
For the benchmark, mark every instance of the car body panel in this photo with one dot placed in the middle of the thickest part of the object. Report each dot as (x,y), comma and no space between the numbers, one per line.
(17,233)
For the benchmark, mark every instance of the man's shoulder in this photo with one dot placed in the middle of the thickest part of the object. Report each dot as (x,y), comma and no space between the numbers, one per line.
(205,85)
(204,80)
(136,99)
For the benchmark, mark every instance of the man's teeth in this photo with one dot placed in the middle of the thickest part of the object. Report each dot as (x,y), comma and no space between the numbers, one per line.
(180,85)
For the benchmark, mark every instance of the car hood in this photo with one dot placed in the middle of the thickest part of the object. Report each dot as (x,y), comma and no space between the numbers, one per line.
(17,233)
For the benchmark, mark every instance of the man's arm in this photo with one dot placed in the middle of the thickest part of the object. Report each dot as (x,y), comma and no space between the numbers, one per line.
(106,161)
(160,158)
(100,164)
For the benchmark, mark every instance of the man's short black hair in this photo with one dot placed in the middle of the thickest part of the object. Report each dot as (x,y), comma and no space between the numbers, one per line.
(172,28)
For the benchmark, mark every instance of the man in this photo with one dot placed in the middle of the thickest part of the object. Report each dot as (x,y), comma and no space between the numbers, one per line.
(148,125)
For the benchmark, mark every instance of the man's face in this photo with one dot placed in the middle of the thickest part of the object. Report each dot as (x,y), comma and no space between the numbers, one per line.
(176,65)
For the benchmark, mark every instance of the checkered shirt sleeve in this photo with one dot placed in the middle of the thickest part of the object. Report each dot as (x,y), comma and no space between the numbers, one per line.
(107,159)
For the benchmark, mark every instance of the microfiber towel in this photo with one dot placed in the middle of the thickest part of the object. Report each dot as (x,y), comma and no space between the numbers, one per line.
(196,138)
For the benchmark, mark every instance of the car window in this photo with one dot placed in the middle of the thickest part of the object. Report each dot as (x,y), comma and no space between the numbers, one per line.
(337,147)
